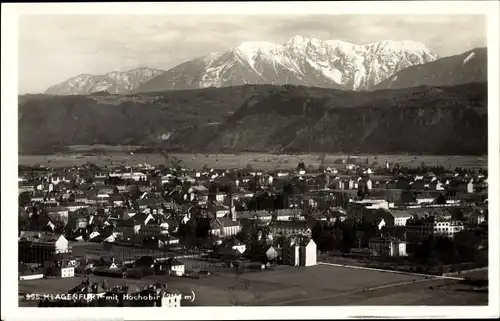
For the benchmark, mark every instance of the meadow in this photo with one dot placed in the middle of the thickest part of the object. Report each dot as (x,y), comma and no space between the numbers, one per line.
(258,161)
(290,286)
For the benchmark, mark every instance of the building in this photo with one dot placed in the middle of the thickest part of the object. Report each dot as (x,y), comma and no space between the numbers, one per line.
(390,217)
(290,253)
(234,244)
(88,291)
(220,197)
(73,207)
(81,223)
(307,253)
(175,267)
(171,300)
(221,210)
(27,272)
(224,227)
(358,209)
(476,218)
(419,229)
(153,230)
(299,252)
(39,248)
(66,269)
(398,217)
(258,216)
(286,215)
(294,227)
(58,213)
(387,246)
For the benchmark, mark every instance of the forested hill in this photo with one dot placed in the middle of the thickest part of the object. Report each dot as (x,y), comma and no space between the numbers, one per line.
(427,120)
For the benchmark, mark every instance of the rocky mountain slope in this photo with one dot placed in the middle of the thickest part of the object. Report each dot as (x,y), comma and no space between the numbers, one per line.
(433,120)
(300,61)
(468,67)
(115,82)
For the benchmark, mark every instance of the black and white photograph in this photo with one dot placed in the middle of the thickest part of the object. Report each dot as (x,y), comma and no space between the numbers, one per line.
(250,155)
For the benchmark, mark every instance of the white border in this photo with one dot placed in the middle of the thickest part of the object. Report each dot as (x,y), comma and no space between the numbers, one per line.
(10,311)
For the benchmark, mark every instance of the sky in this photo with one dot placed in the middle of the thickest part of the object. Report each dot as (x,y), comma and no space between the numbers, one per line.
(54,48)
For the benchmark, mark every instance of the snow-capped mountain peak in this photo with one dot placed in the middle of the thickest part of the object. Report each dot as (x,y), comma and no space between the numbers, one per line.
(255,46)
(300,60)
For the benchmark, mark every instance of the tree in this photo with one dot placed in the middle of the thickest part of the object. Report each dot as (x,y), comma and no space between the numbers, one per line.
(226,188)
(135,192)
(202,228)
(467,244)
(349,239)
(23,222)
(24,199)
(441,199)
(187,230)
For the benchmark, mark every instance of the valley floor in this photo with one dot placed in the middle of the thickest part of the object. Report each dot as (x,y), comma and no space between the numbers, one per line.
(258,161)
(319,285)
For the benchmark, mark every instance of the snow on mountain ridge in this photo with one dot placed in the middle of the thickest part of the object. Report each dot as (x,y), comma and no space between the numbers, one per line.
(300,60)
(469,57)
(352,65)
(113,82)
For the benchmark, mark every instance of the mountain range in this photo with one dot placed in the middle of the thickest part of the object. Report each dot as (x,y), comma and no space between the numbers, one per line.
(264,118)
(115,82)
(471,66)
(301,60)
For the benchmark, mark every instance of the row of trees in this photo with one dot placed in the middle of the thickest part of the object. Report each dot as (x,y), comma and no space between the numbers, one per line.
(434,251)
(437,170)
(439,250)
(342,236)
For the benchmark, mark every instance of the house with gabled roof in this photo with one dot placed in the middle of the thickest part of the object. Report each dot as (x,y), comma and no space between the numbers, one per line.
(175,267)
(88,291)
(224,227)
(299,252)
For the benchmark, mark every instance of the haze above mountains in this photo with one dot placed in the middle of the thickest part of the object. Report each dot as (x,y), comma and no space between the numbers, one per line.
(300,61)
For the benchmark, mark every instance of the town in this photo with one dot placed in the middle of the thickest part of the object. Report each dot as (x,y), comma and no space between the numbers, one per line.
(102,229)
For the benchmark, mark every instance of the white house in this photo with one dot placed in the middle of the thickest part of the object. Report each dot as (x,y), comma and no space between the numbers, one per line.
(387,246)
(224,227)
(220,197)
(300,252)
(308,253)
(171,300)
(421,228)
(66,270)
(400,217)
(175,267)
(221,210)
(61,244)
(94,234)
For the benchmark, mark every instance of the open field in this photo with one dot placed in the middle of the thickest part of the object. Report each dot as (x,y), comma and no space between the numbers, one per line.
(259,161)
(92,250)
(318,285)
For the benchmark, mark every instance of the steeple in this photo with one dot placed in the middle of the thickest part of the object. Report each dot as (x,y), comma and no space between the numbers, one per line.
(232,209)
